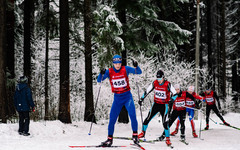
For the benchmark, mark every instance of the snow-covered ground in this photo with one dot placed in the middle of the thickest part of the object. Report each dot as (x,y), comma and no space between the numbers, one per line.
(54,135)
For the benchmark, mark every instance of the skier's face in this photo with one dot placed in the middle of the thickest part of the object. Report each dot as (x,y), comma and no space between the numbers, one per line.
(177,90)
(190,92)
(117,66)
(208,91)
(160,80)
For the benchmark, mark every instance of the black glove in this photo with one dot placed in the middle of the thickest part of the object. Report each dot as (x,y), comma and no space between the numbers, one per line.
(219,108)
(135,64)
(171,101)
(140,101)
(103,71)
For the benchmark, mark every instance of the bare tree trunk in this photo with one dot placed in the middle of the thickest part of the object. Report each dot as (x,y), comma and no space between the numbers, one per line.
(64,104)
(121,6)
(209,36)
(3,61)
(89,107)
(222,49)
(46,8)
(28,34)
(10,20)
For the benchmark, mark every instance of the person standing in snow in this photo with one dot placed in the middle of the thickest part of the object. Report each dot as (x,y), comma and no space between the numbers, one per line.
(118,77)
(24,104)
(162,99)
(190,104)
(211,97)
(179,110)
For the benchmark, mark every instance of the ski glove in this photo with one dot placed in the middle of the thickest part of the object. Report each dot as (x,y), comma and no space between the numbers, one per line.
(140,101)
(103,71)
(135,64)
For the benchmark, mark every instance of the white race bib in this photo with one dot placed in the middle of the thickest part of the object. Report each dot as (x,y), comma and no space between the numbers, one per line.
(190,103)
(160,94)
(180,104)
(119,83)
(209,100)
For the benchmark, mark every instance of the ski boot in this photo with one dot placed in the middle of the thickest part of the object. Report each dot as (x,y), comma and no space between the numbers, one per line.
(108,142)
(141,135)
(168,142)
(135,138)
(194,134)
(182,137)
(162,137)
(207,127)
(25,133)
(227,124)
(174,132)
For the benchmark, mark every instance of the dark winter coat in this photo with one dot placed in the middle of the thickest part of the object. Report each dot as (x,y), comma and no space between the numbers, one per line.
(23,98)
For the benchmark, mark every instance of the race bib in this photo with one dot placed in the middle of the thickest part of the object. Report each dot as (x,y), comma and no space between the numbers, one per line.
(119,83)
(209,100)
(179,104)
(190,103)
(160,94)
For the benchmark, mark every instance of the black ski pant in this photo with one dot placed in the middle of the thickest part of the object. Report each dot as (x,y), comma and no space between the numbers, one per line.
(182,117)
(24,121)
(214,108)
(163,109)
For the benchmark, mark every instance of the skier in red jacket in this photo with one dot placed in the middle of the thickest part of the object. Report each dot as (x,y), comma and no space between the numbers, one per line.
(211,97)
(189,104)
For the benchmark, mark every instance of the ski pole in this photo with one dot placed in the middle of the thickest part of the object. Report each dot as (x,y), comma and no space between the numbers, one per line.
(201,112)
(89,133)
(139,97)
(200,126)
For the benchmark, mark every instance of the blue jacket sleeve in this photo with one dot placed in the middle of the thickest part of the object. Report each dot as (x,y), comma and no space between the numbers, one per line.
(29,98)
(106,75)
(133,70)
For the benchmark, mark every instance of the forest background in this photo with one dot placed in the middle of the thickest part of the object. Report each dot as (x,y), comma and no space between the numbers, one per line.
(62,45)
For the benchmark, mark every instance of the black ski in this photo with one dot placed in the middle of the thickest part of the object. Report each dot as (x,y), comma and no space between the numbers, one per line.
(230,126)
(128,138)
(170,146)
(138,145)
(205,129)
(96,146)
(184,141)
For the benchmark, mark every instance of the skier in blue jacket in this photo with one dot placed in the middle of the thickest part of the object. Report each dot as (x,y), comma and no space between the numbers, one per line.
(24,104)
(118,77)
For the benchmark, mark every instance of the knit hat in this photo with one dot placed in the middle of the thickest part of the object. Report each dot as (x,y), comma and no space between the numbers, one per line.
(117,59)
(191,88)
(23,79)
(177,86)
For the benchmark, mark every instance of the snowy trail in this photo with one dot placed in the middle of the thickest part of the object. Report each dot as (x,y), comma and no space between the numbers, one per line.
(53,135)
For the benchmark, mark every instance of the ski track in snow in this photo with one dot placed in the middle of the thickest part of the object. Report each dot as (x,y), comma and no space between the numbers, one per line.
(54,135)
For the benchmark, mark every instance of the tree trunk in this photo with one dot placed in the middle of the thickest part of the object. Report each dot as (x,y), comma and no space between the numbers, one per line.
(3,61)
(222,49)
(64,105)
(209,36)
(28,34)
(89,106)
(10,20)
(46,8)
(10,37)
(121,6)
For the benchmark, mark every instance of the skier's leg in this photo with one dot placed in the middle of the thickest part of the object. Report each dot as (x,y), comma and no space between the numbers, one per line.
(115,110)
(208,109)
(182,117)
(152,113)
(132,113)
(214,108)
